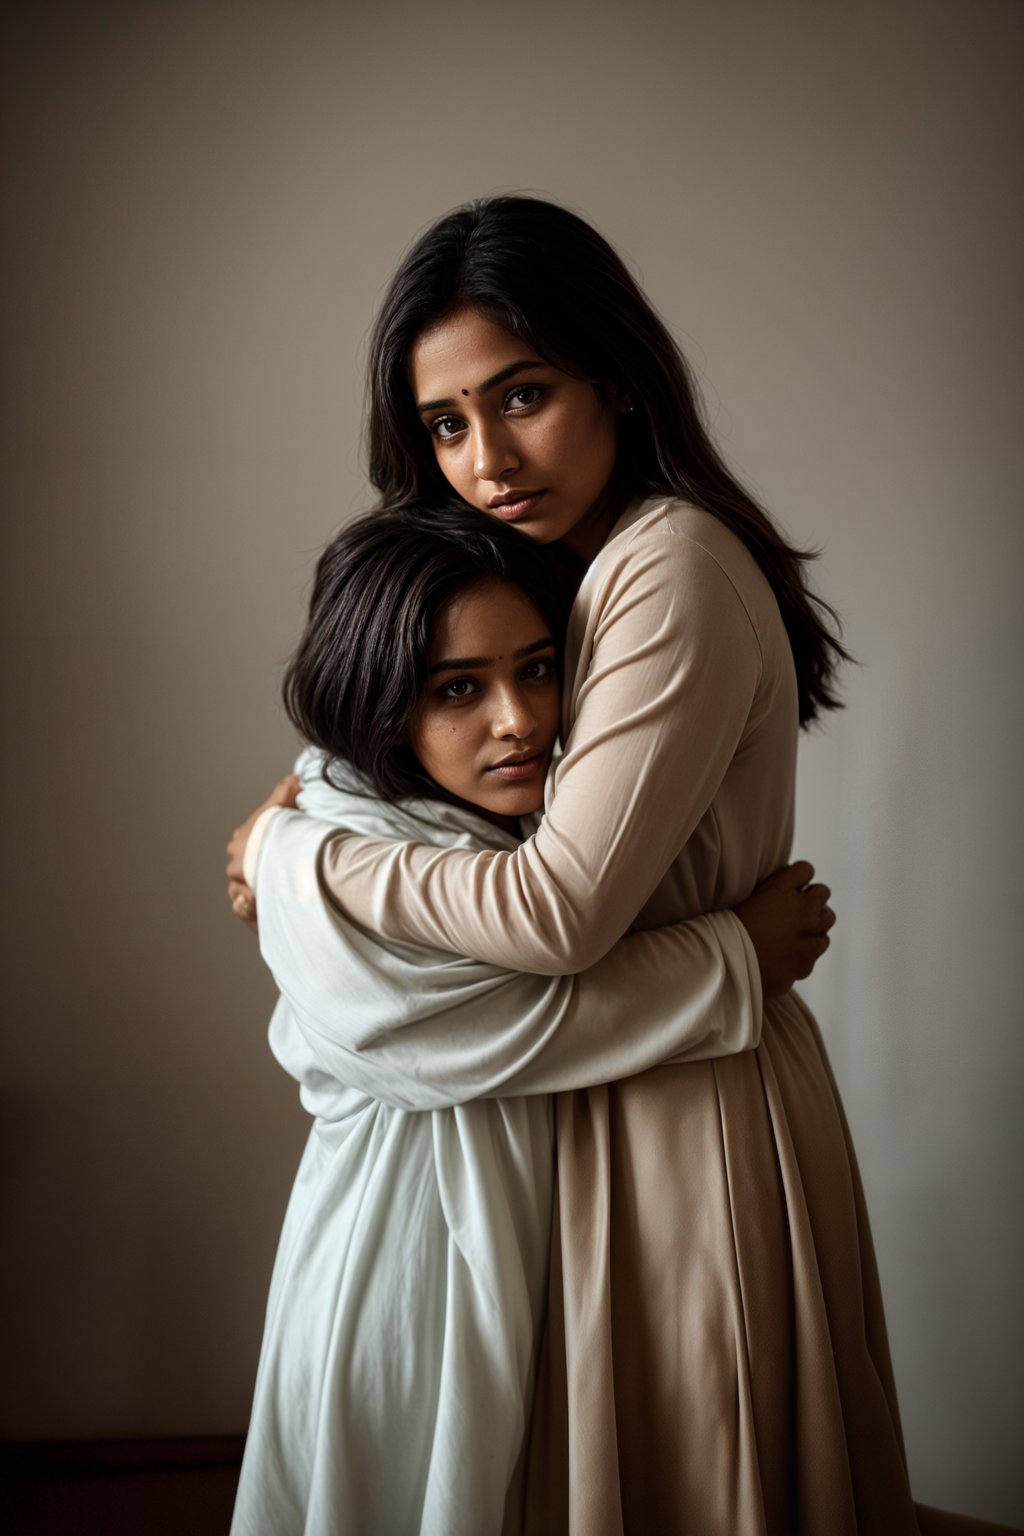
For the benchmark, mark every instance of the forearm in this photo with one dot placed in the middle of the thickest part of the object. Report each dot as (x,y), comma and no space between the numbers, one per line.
(687,992)
(450,899)
(422,1031)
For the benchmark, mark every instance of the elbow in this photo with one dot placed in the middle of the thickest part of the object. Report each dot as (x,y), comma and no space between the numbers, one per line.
(563,952)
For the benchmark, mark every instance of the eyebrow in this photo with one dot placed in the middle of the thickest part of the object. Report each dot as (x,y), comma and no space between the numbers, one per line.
(495,379)
(458,663)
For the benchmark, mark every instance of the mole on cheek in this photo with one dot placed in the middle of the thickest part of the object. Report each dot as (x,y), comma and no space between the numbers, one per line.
(465,392)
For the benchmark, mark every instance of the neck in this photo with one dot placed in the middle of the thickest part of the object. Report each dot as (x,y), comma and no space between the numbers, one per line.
(509,824)
(591,532)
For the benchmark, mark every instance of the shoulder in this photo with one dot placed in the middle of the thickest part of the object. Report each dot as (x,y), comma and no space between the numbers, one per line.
(332,791)
(689,557)
(679,532)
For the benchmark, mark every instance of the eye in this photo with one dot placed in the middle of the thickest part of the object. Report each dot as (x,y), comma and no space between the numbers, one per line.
(444,428)
(523,396)
(540,670)
(458,688)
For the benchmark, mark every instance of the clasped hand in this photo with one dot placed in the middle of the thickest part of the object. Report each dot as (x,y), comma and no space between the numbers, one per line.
(243,902)
(788,920)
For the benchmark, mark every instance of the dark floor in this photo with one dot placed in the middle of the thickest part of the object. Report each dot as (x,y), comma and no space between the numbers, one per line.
(119,1488)
(180,1488)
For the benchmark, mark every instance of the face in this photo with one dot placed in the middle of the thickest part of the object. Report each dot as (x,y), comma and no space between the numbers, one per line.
(514,436)
(488,720)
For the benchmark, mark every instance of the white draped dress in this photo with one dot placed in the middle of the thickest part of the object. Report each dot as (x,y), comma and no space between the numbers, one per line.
(396,1372)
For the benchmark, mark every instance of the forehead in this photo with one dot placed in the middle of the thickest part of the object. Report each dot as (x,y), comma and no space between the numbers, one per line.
(461,352)
(485,619)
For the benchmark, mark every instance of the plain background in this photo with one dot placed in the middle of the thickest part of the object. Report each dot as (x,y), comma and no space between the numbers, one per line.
(204,201)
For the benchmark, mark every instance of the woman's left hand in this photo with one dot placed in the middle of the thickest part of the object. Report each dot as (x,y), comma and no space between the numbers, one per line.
(243,902)
(788,920)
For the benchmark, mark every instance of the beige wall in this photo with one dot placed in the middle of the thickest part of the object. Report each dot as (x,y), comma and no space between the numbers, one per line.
(206,201)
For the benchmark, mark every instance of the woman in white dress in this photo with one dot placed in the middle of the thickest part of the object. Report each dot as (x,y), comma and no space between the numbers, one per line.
(718,1358)
(397,1366)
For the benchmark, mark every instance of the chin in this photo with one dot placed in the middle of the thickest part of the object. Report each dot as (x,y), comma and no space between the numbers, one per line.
(515,808)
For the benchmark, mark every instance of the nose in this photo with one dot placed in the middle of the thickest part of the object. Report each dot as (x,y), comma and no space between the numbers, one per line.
(494,454)
(513,715)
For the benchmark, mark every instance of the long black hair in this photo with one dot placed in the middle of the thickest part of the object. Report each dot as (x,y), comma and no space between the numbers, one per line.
(546,276)
(381,584)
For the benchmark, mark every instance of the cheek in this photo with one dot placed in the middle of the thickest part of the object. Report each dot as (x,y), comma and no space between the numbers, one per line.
(439,746)
(454,465)
(588,443)
(604,441)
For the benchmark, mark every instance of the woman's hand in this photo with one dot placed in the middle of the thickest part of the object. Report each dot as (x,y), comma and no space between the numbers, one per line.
(788,920)
(243,902)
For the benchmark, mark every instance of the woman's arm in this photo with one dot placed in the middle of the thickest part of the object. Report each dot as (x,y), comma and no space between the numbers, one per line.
(674,669)
(243,849)
(423,1030)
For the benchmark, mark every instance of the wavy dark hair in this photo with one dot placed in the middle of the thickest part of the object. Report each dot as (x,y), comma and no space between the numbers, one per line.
(546,276)
(361,665)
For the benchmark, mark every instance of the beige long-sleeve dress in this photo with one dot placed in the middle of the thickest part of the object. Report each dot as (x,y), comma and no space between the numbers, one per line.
(725,1368)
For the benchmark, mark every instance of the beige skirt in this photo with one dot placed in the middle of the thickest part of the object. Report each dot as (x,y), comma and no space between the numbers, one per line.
(716,1359)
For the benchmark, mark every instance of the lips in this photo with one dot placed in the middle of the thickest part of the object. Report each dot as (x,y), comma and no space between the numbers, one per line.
(522,765)
(515,505)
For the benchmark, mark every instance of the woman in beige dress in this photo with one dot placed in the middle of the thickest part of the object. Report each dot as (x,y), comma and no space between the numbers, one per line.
(717,1358)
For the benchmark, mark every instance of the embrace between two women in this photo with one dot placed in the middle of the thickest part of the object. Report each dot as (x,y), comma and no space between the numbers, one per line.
(650,1302)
